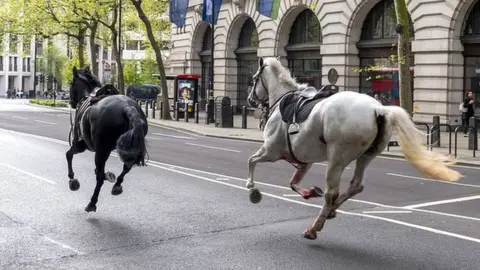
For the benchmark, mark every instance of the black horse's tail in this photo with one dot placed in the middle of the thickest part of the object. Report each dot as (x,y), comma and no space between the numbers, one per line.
(131,145)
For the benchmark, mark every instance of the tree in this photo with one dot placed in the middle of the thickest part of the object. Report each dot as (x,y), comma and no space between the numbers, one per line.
(404,54)
(157,7)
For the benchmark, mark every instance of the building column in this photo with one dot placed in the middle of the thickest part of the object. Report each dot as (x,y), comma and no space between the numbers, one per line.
(438,80)
(344,59)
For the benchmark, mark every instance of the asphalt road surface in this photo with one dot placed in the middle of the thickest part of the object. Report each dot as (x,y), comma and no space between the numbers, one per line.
(188,209)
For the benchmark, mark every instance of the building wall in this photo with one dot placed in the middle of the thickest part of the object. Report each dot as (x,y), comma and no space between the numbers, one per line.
(437,47)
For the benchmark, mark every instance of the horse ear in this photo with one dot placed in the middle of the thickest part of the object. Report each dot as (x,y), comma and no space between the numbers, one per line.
(260,61)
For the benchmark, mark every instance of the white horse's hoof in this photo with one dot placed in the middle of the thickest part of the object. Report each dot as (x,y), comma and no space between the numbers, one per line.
(255,195)
(249,185)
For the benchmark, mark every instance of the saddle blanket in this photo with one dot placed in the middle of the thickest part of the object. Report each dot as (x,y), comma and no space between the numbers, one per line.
(301,105)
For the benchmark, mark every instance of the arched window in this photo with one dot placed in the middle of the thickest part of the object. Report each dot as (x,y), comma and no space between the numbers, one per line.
(471,52)
(246,53)
(303,49)
(378,51)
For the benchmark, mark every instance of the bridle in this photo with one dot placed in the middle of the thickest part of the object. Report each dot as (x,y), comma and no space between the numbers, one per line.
(79,102)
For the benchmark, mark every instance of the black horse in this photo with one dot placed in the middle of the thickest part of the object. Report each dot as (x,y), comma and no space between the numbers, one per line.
(105,122)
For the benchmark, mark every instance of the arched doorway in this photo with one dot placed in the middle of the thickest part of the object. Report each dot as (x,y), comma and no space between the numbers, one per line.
(205,61)
(471,53)
(379,74)
(303,49)
(247,62)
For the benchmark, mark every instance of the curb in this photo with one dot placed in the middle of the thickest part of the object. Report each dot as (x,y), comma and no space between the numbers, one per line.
(196,133)
(62,109)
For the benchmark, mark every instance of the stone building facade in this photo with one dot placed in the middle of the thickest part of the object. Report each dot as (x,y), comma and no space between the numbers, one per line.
(313,36)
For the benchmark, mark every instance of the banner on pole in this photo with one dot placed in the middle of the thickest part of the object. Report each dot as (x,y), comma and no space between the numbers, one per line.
(268,8)
(207,11)
(178,12)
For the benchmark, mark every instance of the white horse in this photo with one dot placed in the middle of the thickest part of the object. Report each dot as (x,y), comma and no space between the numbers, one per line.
(344,127)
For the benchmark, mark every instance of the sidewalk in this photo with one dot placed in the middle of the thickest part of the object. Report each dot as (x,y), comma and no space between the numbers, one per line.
(253,133)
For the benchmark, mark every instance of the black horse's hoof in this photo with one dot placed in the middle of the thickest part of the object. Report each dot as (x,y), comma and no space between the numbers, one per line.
(110,177)
(74,184)
(117,190)
(255,195)
(91,208)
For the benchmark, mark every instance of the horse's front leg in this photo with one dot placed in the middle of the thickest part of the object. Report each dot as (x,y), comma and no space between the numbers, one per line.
(261,155)
(101,158)
(77,148)
(117,188)
(297,178)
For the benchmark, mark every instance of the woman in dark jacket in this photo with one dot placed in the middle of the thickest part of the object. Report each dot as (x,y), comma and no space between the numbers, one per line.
(468,103)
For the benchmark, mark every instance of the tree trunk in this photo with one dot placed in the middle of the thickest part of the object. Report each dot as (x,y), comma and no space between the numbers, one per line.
(158,57)
(404,55)
(81,46)
(93,51)
(116,52)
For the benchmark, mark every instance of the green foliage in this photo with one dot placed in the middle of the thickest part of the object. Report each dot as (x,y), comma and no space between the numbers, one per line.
(140,71)
(49,102)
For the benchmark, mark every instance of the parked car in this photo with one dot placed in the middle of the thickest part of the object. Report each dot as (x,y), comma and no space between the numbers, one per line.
(143,91)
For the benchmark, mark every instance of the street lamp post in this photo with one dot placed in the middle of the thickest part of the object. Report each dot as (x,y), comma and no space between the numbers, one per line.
(35,80)
(210,94)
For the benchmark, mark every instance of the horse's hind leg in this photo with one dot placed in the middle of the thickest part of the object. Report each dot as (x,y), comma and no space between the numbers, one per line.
(356,185)
(117,188)
(297,178)
(334,173)
(101,158)
(77,148)
(260,156)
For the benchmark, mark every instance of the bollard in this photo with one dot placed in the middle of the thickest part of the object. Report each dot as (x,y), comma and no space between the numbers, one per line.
(196,111)
(232,113)
(153,112)
(185,113)
(146,109)
(206,114)
(472,138)
(435,132)
(244,117)
(151,104)
(176,110)
(161,110)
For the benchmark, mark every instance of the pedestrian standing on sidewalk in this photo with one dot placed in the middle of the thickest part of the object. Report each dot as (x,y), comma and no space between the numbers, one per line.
(468,103)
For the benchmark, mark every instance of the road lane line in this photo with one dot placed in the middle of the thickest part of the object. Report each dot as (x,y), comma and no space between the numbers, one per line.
(65,143)
(461,199)
(433,180)
(174,136)
(388,212)
(45,122)
(213,147)
(153,138)
(19,117)
(28,173)
(3,114)
(323,164)
(291,195)
(398,222)
(63,245)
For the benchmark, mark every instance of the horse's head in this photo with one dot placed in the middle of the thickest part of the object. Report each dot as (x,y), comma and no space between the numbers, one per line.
(270,81)
(83,83)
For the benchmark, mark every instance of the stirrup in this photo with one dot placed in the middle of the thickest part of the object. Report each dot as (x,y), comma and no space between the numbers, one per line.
(293,128)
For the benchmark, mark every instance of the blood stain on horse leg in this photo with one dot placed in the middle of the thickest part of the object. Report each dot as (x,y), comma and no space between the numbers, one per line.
(297,178)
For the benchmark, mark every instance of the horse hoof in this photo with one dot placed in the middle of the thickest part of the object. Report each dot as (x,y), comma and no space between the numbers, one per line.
(110,177)
(255,195)
(117,190)
(74,184)
(332,214)
(310,234)
(249,185)
(316,192)
(91,208)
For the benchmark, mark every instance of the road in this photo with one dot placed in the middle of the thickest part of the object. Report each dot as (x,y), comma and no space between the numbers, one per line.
(188,209)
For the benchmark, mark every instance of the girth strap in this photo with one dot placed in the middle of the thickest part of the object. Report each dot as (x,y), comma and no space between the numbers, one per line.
(289,143)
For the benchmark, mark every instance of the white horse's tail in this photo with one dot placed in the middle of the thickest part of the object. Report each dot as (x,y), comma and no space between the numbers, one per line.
(411,141)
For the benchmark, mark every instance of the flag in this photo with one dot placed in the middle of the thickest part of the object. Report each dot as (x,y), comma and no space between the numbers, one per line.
(268,8)
(178,12)
(207,10)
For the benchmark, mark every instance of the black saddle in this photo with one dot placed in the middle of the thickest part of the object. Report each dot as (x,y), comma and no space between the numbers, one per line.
(297,106)
(104,91)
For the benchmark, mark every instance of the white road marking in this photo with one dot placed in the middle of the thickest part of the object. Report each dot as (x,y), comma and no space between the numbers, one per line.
(388,212)
(433,180)
(3,114)
(153,138)
(19,117)
(213,147)
(462,199)
(63,245)
(28,173)
(174,136)
(175,167)
(420,227)
(323,164)
(291,195)
(222,178)
(45,122)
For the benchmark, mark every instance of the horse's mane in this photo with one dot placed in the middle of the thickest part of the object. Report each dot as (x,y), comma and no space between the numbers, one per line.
(92,80)
(284,75)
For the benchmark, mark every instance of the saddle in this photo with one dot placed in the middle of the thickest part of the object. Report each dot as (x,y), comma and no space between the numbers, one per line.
(297,106)
(96,96)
